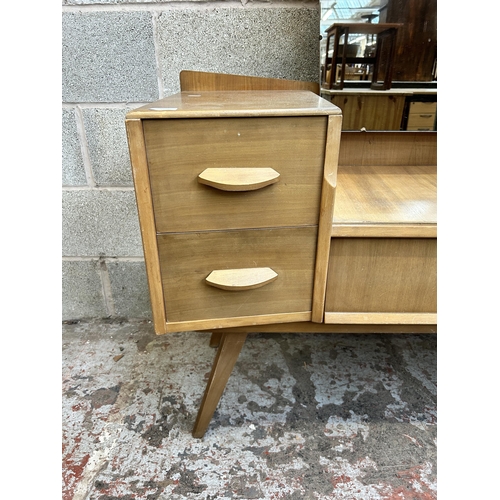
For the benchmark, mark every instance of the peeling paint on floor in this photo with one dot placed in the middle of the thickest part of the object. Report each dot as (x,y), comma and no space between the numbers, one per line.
(303,416)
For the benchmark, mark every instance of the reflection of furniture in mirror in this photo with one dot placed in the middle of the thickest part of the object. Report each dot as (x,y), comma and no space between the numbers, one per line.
(194,81)
(414,74)
(385,39)
(353,72)
(386,109)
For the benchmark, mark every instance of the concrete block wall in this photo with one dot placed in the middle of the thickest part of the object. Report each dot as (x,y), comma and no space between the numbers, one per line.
(118,55)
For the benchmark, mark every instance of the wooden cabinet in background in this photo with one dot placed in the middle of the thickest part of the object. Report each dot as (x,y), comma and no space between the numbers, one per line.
(416,44)
(394,109)
(372,112)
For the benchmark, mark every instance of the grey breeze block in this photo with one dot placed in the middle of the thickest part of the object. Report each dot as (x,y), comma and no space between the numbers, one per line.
(107,145)
(100,223)
(108,57)
(82,291)
(274,42)
(129,288)
(73,170)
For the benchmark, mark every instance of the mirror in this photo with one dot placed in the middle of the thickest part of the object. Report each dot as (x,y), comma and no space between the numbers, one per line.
(383,83)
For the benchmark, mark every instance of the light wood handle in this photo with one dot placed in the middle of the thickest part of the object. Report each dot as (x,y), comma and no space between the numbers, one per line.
(241,279)
(238,179)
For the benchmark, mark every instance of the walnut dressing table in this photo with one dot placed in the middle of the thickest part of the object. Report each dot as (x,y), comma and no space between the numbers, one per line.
(258,214)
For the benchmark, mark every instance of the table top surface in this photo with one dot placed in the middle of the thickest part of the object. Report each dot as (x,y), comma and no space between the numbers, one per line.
(386,195)
(207,104)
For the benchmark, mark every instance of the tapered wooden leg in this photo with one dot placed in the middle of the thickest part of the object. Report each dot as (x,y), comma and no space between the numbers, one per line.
(225,359)
(215,339)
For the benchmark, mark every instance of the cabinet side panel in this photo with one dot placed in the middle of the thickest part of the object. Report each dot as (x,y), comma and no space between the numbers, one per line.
(326,216)
(388,149)
(196,81)
(146,218)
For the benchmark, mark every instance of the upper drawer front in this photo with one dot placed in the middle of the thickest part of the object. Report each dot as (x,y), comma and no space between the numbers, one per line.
(423,107)
(179,150)
(187,259)
(425,120)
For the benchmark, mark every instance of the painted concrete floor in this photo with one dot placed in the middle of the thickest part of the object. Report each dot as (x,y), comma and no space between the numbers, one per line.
(304,416)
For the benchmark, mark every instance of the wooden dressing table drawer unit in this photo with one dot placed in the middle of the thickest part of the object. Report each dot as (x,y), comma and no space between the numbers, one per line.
(236,193)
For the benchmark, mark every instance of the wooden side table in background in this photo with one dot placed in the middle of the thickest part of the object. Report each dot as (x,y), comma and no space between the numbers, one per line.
(385,33)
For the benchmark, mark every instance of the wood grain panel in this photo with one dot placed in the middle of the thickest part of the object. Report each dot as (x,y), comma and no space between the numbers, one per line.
(374,112)
(382,275)
(418,107)
(186,259)
(201,81)
(388,148)
(238,103)
(179,150)
(237,321)
(388,318)
(385,230)
(386,194)
(416,47)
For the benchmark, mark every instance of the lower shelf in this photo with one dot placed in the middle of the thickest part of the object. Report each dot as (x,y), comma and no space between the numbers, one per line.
(382,280)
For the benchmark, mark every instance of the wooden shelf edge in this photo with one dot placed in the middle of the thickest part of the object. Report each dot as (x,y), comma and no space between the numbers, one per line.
(374,230)
(235,322)
(389,318)
(313,328)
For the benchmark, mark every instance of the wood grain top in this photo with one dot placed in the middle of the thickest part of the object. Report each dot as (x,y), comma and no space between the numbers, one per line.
(212,104)
(386,195)
(201,80)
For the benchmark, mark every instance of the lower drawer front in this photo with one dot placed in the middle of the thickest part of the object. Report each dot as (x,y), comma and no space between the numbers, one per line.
(421,121)
(181,150)
(382,275)
(187,259)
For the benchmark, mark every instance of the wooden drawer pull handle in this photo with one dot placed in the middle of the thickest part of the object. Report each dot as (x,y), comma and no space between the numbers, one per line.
(241,279)
(238,179)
